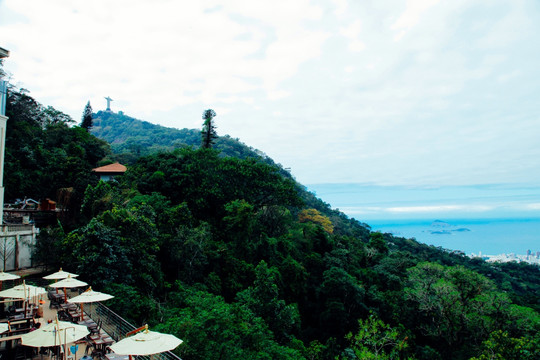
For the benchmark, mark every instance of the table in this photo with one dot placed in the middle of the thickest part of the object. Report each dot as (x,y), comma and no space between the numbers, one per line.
(75,315)
(100,342)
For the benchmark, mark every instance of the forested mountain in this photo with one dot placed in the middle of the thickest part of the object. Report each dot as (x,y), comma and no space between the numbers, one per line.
(45,156)
(232,255)
(131,138)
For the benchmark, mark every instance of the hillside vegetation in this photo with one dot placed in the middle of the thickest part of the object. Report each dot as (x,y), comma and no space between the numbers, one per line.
(229,253)
(131,138)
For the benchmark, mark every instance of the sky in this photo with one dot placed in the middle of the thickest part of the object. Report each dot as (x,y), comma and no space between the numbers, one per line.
(384,92)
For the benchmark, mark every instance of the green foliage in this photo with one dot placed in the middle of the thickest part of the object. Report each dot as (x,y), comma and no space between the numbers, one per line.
(377,341)
(207,182)
(461,307)
(208,133)
(258,280)
(134,307)
(500,346)
(86,122)
(214,329)
(131,139)
(263,300)
(44,154)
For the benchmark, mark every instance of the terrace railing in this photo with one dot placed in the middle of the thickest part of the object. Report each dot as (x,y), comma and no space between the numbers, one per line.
(117,327)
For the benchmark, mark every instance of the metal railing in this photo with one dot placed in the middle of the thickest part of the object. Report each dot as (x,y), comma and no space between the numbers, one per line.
(117,327)
(16,228)
(112,323)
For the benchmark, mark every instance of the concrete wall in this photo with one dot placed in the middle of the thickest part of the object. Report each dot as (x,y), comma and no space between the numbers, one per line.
(16,246)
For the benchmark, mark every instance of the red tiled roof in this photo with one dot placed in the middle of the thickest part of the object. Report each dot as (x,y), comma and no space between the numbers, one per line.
(111,168)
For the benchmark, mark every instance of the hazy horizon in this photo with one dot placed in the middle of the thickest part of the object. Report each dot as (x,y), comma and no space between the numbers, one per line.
(374,202)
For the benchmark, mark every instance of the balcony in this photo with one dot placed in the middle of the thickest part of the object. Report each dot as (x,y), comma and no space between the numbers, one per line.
(111,325)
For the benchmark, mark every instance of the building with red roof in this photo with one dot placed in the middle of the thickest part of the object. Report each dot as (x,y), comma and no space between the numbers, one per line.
(109,172)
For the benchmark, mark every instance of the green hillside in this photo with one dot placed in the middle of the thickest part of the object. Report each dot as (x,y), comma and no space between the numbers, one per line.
(228,252)
(131,138)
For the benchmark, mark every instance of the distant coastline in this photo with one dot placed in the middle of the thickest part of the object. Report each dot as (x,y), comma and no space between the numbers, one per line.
(489,219)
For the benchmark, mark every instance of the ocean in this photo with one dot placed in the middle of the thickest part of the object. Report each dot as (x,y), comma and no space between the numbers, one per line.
(482,219)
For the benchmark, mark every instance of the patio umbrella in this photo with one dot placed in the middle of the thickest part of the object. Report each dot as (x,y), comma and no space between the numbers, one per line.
(23,291)
(4,327)
(59,275)
(7,276)
(89,296)
(146,342)
(68,282)
(57,333)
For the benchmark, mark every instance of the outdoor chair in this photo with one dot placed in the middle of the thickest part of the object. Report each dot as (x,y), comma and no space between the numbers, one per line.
(63,315)
(95,329)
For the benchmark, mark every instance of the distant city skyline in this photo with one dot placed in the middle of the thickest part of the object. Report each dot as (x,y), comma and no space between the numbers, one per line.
(416,93)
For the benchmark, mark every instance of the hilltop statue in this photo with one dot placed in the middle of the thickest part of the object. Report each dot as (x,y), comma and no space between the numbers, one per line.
(108,103)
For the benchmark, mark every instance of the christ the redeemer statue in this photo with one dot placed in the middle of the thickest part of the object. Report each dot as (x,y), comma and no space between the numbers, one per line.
(108,103)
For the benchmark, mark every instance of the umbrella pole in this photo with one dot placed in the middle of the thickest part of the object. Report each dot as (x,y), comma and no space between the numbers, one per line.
(82,311)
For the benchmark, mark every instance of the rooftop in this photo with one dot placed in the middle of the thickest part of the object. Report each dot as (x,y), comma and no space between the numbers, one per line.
(111,168)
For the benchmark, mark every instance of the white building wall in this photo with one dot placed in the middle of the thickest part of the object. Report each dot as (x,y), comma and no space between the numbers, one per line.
(16,246)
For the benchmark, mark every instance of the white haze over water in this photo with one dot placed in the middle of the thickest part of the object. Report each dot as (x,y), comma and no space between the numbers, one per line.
(369,202)
(497,218)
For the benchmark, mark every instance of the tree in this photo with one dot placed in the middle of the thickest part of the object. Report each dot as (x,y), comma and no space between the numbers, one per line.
(501,346)
(316,217)
(212,328)
(87,117)
(209,129)
(263,300)
(376,340)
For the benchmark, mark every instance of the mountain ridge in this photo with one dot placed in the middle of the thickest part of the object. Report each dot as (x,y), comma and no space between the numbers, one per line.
(131,136)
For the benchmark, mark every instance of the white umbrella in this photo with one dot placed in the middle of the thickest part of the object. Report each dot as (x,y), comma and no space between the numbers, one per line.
(7,276)
(146,342)
(22,291)
(89,296)
(57,333)
(68,282)
(4,327)
(60,274)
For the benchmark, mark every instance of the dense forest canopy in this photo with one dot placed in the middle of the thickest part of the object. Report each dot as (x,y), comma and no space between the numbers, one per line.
(229,253)
(131,138)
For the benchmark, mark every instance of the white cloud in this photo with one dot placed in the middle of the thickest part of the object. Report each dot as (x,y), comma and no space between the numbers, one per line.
(411,16)
(321,87)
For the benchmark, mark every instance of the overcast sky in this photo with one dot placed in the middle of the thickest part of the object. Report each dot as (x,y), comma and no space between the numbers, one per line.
(418,92)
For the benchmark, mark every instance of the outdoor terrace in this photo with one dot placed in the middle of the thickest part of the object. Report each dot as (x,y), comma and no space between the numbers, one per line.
(105,327)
